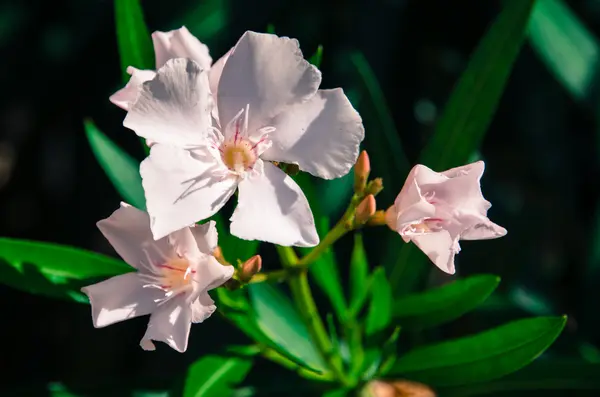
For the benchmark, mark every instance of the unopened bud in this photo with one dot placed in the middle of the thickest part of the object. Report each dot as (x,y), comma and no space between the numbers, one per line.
(362,169)
(365,210)
(374,187)
(401,388)
(250,268)
(218,254)
(377,219)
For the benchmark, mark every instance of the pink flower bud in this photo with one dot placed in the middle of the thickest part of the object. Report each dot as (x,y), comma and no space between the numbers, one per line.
(362,169)
(250,268)
(365,210)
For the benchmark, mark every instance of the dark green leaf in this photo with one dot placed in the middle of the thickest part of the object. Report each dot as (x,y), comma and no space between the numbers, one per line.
(133,37)
(440,305)
(205,19)
(482,357)
(317,57)
(473,102)
(379,315)
(568,48)
(271,28)
(542,375)
(53,270)
(215,376)
(338,393)
(359,274)
(280,322)
(121,169)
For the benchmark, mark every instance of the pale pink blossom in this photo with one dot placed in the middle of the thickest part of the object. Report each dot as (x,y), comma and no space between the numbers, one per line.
(171,282)
(269,108)
(179,43)
(435,210)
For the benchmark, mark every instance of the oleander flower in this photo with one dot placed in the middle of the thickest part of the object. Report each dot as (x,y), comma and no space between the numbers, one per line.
(179,43)
(171,282)
(269,109)
(436,210)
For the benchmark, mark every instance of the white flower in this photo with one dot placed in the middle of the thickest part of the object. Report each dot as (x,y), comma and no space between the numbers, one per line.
(436,210)
(179,43)
(269,108)
(173,277)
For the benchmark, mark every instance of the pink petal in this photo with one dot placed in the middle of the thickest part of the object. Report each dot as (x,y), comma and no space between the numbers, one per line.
(180,43)
(440,248)
(128,231)
(268,73)
(182,187)
(128,94)
(210,274)
(272,207)
(120,298)
(170,323)
(202,308)
(214,75)
(206,237)
(321,135)
(482,229)
(174,107)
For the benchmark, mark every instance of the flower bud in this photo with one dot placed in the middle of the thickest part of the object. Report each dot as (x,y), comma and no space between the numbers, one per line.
(250,268)
(362,169)
(374,187)
(365,210)
(218,254)
(401,388)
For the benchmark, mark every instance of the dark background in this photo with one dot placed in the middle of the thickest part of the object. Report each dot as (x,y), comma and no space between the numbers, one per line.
(60,64)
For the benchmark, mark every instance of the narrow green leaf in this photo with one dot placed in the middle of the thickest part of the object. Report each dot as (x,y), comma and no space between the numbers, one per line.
(281,323)
(541,376)
(271,28)
(53,270)
(317,57)
(121,169)
(359,274)
(565,44)
(380,307)
(473,102)
(215,376)
(482,357)
(205,19)
(334,195)
(338,393)
(440,305)
(133,37)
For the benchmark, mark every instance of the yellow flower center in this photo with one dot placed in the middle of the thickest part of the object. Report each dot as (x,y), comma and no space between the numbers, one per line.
(176,274)
(238,154)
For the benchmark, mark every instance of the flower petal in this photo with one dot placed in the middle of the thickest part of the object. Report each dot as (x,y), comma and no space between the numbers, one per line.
(272,207)
(206,236)
(182,187)
(482,229)
(322,135)
(128,94)
(202,308)
(210,274)
(120,298)
(268,73)
(440,247)
(174,107)
(170,323)
(184,243)
(214,75)
(180,43)
(128,231)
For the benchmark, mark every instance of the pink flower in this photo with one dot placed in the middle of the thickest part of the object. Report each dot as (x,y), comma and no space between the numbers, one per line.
(173,277)
(436,210)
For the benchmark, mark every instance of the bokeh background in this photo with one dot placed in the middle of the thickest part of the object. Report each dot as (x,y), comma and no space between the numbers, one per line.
(60,64)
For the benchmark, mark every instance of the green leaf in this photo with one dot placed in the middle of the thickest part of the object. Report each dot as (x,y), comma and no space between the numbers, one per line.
(338,393)
(473,102)
(334,195)
(215,376)
(281,323)
(541,375)
(359,274)
(205,19)
(133,37)
(271,28)
(379,315)
(317,57)
(440,305)
(568,48)
(53,270)
(121,169)
(482,357)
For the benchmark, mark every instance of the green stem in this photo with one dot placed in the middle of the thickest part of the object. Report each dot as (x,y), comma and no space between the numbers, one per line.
(334,234)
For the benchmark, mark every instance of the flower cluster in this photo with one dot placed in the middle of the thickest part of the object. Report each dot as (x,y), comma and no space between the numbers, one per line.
(217,129)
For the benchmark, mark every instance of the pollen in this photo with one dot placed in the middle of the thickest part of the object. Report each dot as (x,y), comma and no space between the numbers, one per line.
(238,154)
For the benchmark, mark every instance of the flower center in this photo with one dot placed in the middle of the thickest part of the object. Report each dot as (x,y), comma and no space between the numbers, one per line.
(176,274)
(238,154)
(428,225)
